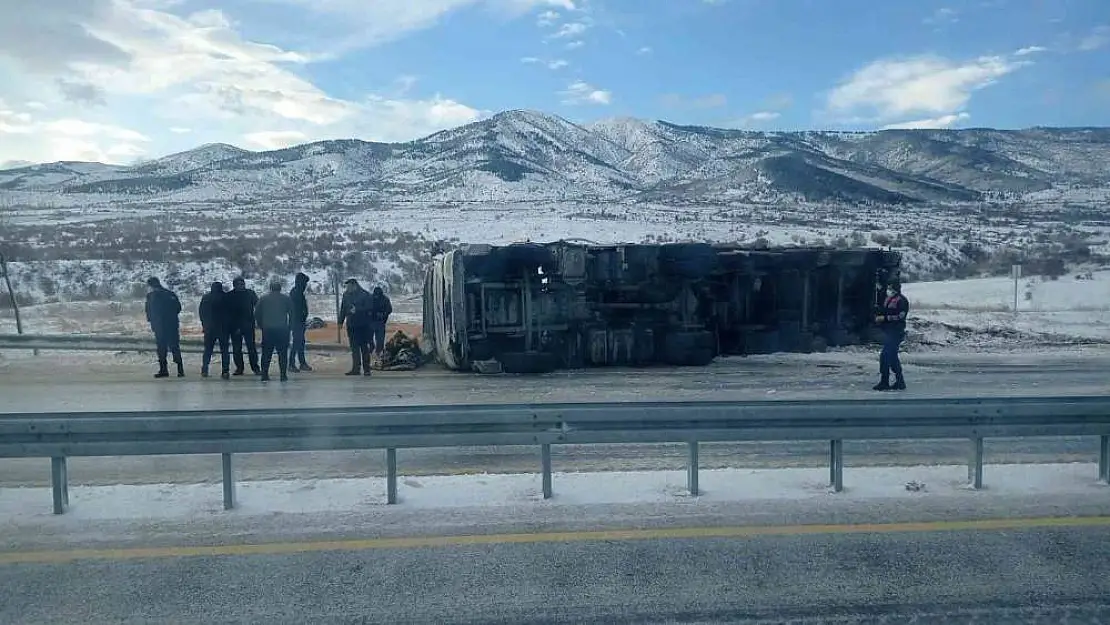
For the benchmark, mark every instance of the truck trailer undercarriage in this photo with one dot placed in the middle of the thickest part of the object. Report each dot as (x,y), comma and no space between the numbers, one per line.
(529,308)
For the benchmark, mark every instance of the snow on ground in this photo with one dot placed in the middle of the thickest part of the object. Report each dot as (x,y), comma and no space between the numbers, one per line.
(1074,308)
(128,317)
(27,506)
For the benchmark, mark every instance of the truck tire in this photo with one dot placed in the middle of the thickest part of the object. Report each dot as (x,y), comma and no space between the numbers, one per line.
(530,363)
(689,349)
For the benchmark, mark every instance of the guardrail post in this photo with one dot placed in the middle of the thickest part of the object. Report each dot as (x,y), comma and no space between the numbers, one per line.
(391,476)
(836,465)
(59,484)
(975,464)
(545,464)
(692,469)
(1104,459)
(229,482)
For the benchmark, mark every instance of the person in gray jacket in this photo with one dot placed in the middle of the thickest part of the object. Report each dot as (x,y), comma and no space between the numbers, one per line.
(274,314)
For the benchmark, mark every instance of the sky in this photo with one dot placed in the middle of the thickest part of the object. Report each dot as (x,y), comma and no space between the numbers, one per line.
(122,81)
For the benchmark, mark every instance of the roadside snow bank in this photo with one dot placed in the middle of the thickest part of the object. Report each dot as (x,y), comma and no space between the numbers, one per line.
(29,506)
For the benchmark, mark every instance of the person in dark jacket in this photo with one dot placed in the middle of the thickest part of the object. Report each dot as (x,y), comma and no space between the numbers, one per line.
(214,322)
(892,320)
(241,303)
(356,311)
(274,314)
(162,310)
(300,321)
(382,309)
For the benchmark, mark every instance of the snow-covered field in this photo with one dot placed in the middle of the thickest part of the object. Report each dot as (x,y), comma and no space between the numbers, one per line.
(128,318)
(71,256)
(29,506)
(964,314)
(1073,308)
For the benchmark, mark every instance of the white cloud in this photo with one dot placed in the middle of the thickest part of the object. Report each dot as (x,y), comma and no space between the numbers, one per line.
(896,88)
(275,139)
(757,118)
(583,93)
(644,50)
(66,139)
(944,121)
(168,81)
(570,30)
(574,45)
(764,116)
(554,64)
(79,128)
(1098,38)
(547,18)
(1029,50)
(352,24)
(943,15)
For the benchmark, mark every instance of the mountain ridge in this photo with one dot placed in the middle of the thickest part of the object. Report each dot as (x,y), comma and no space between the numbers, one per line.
(522,155)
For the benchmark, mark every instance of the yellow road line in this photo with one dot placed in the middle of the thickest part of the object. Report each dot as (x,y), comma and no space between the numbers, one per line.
(755,531)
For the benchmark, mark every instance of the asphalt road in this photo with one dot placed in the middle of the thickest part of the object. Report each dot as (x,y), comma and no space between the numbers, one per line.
(30,386)
(27,386)
(1024,572)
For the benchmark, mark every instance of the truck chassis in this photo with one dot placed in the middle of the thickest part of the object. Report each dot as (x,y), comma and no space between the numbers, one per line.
(530,308)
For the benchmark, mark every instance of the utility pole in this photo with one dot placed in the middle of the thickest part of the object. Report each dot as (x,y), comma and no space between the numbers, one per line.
(333,273)
(1015,271)
(11,295)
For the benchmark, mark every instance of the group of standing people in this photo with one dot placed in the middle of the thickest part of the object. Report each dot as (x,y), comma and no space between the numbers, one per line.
(229,320)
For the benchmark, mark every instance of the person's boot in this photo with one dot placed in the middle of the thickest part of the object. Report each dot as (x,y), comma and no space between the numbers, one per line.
(163,370)
(305,368)
(882,386)
(899,384)
(180,369)
(225,376)
(204,371)
(355,362)
(294,369)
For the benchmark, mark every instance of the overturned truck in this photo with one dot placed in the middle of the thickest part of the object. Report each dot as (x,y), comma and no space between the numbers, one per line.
(529,308)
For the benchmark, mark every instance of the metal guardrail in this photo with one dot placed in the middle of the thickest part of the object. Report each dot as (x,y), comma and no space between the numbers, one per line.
(115,343)
(227,432)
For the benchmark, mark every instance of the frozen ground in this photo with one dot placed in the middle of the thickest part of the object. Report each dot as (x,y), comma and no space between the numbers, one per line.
(127,317)
(31,506)
(979,313)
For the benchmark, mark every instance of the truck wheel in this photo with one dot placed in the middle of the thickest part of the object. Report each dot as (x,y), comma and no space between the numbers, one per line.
(689,349)
(528,362)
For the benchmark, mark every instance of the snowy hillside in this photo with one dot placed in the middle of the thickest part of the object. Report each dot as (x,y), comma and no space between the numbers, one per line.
(524,156)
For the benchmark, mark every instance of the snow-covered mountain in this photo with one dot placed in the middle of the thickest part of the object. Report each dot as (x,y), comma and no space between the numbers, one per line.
(525,156)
